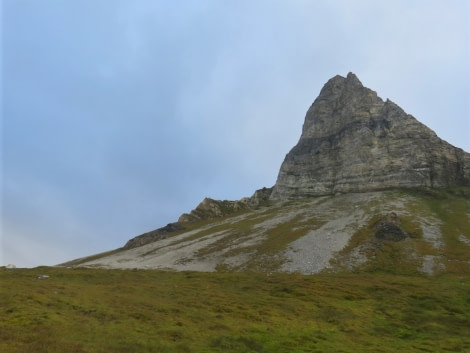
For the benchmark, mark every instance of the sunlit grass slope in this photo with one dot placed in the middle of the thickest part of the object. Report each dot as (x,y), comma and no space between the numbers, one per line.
(95,310)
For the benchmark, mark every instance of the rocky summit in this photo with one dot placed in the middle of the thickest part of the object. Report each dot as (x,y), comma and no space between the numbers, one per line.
(366,188)
(353,141)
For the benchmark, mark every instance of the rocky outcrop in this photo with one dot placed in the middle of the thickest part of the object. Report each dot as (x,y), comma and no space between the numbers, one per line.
(353,141)
(210,208)
(389,228)
(207,209)
(154,235)
(260,197)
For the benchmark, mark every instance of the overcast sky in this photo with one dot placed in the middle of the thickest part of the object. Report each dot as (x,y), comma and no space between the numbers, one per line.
(118,116)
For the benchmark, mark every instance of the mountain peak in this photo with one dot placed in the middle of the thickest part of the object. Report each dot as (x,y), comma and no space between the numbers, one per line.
(338,84)
(353,146)
(351,77)
(353,141)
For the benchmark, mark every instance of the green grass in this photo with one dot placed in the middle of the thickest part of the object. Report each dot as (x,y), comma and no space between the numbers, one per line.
(93,310)
(446,210)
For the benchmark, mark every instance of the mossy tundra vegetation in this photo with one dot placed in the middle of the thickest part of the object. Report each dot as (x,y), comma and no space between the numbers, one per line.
(375,295)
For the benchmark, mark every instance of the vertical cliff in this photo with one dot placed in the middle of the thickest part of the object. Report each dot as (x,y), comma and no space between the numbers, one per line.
(353,141)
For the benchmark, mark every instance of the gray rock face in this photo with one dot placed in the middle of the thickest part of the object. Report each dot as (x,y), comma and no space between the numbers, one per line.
(211,209)
(353,141)
(154,235)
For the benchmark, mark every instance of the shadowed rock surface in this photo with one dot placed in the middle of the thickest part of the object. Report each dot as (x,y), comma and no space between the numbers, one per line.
(154,235)
(210,208)
(389,228)
(353,141)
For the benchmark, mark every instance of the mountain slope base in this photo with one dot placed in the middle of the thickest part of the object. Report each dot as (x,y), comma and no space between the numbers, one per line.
(329,233)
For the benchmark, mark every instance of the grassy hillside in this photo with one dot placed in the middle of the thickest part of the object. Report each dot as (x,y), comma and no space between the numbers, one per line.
(374,294)
(95,310)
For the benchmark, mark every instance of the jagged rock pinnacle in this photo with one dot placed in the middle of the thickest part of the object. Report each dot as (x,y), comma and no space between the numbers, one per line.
(353,141)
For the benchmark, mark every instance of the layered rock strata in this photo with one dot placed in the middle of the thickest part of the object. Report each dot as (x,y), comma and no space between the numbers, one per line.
(353,141)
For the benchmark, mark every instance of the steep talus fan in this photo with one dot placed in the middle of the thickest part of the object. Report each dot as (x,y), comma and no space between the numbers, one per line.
(353,141)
